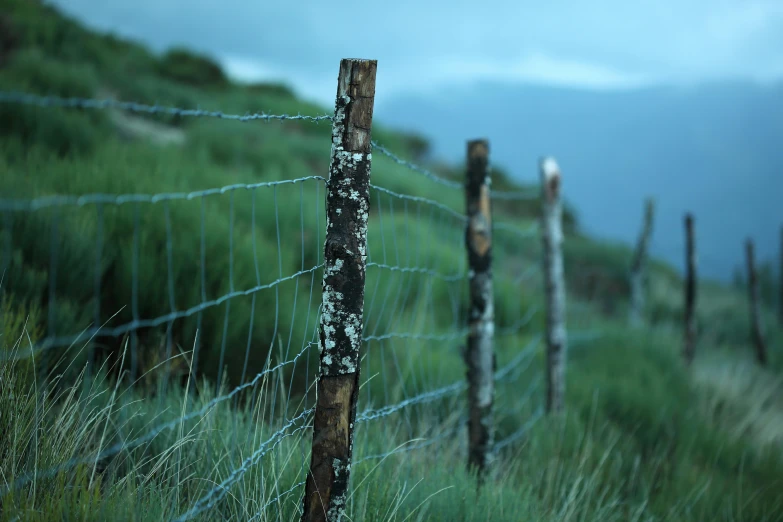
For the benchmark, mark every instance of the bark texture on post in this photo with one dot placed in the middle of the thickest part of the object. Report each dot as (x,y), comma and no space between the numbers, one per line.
(690,290)
(756,332)
(552,235)
(479,356)
(345,255)
(639,267)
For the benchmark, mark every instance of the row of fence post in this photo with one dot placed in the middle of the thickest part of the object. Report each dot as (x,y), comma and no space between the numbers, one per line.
(345,248)
(637,279)
(347,208)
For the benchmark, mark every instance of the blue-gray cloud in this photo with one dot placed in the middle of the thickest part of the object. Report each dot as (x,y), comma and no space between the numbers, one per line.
(426,44)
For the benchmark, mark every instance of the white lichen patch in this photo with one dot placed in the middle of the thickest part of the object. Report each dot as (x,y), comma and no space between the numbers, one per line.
(334,319)
(343,159)
(338,500)
(334,269)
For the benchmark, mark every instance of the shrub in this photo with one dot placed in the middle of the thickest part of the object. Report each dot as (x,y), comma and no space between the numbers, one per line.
(272,89)
(186,67)
(63,131)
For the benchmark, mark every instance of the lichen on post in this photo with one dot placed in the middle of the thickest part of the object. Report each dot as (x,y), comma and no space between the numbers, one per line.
(552,236)
(345,258)
(756,332)
(479,355)
(690,290)
(639,267)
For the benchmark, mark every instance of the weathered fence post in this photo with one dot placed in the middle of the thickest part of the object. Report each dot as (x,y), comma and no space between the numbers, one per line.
(690,290)
(780,280)
(756,332)
(639,267)
(479,356)
(345,251)
(552,235)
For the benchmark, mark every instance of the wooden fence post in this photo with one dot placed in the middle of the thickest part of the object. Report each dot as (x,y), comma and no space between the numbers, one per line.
(639,267)
(552,235)
(780,280)
(756,334)
(345,255)
(690,290)
(479,356)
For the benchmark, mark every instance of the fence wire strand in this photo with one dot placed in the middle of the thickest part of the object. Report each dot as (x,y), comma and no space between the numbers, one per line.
(21,98)
(414,294)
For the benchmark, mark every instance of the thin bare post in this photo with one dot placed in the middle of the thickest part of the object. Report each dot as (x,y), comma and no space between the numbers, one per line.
(756,333)
(780,280)
(690,290)
(345,256)
(639,267)
(480,356)
(552,235)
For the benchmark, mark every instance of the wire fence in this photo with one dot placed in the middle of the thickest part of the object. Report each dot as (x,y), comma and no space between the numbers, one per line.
(193,318)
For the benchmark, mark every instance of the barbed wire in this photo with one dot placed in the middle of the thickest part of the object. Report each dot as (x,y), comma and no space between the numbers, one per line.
(416,168)
(521,432)
(412,447)
(459,334)
(400,269)
(418,270)
(526,353)
(123,199)
(419,199)
(453,388)
(149,435)
(430,396)
(216,494)
(54,342)
(209,499)
(219,491)
(17,97)
(91,103)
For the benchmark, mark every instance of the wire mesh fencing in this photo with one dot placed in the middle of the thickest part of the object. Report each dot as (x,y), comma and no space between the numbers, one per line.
(180,331)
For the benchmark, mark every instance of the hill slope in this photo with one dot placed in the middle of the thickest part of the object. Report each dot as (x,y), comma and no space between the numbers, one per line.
(644,439)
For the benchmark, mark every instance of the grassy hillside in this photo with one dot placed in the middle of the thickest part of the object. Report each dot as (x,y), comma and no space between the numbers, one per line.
(644,438)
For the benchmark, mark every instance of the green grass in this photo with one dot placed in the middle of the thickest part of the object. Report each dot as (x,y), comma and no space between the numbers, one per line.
(641,441)
(643,438)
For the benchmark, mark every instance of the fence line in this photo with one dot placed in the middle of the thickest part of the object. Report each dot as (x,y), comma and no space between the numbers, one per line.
(86,103)
(383,326)
(123,199)
(415,385)
(13,97)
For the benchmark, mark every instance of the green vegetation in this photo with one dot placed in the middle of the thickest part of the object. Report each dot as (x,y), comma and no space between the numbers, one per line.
(644,438)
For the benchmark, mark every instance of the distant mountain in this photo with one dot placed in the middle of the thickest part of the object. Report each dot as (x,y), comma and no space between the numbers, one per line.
(714,150)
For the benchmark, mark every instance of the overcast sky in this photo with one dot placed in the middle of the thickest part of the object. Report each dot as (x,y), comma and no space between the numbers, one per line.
(424,44)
